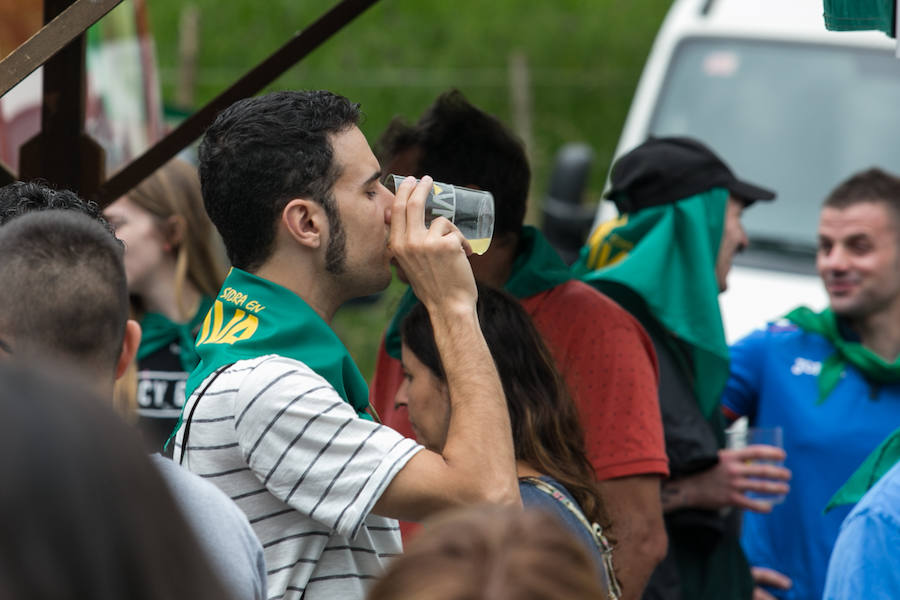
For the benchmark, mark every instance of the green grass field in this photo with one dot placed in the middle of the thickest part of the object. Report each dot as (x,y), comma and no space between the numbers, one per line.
(582,59)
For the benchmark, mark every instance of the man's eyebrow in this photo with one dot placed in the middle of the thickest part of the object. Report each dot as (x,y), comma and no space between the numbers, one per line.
(858,237)
(375,177)
(5,347)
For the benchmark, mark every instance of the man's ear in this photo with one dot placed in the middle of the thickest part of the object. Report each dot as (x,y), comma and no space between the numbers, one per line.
(305,221)
(130,344)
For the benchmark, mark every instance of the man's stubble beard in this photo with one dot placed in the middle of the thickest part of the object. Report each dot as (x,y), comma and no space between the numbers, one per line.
(336,252)
(336,263)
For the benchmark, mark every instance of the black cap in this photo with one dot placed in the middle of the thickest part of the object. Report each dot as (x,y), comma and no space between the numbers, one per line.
(664,170)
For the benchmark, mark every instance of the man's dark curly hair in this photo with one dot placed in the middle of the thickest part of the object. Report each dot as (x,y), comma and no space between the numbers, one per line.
(23,197)
(461,144)
(262,152)
(871,185)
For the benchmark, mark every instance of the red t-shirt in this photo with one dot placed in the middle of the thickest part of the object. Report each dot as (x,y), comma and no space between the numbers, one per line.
(609,364)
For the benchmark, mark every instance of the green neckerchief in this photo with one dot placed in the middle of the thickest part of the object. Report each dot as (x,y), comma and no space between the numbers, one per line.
(873,367)
(854,15)
(537,268)
(666,255)
(157,331)
(873,468)
(253,317)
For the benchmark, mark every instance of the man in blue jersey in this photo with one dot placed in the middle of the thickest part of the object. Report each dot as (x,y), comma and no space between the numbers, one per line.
(831,380)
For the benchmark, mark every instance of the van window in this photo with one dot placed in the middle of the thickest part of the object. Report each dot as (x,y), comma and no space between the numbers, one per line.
(798,118)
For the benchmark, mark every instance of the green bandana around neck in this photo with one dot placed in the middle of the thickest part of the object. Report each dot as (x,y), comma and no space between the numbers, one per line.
(253,317)
(157,331)
(873,367)
(666,255)
(537,268)
(872,469)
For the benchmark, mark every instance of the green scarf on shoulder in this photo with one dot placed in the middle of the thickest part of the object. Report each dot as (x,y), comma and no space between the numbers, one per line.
(856,15)
(537,268)
(872,469)
(873,367)
(666,255)
(157,331)
(253,317)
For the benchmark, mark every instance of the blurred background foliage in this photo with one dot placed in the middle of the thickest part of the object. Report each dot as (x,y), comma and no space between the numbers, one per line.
(556,71)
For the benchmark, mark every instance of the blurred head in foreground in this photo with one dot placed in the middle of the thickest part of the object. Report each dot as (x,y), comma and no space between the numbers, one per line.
(84,512)
(491,553)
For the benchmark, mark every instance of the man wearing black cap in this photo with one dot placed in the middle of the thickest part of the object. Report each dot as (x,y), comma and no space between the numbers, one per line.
(666,259)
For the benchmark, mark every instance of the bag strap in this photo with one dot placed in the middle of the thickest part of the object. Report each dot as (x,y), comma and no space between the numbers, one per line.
(187,423)
(594,529)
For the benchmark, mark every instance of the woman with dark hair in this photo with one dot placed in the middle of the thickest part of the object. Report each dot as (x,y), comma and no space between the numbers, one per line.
(554,472)
(83,511)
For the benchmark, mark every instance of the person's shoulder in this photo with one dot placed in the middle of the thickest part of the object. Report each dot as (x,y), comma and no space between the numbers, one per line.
(179,479)
(781,328)
(265,362)
(189,489)
(772,331)
(272,368)
(882,501)
(577,291)
(220,526)
(577,298)
(268,380)
(541,489)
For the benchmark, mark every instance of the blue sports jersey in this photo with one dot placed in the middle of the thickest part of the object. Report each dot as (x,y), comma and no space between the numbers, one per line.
(773,382)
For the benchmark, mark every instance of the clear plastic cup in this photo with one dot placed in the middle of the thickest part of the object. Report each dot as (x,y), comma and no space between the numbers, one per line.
(472,211)
(750,436)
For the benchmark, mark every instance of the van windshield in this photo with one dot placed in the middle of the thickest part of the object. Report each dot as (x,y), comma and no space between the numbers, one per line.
(797,118)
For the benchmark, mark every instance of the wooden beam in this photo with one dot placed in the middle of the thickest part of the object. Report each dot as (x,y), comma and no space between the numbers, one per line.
(252,82)
(50,39)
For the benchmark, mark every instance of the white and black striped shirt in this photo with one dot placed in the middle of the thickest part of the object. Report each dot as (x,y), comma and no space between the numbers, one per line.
(280,441)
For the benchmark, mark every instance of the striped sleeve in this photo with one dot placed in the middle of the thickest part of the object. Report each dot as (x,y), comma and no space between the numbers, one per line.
(308,447)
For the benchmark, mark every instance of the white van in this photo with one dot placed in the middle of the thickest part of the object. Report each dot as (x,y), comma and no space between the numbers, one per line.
(788,105)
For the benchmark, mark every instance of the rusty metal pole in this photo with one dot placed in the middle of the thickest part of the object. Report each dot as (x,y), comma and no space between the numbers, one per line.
(62,153)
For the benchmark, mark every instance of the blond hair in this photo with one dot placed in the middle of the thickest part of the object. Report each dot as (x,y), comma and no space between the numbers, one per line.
(173,190)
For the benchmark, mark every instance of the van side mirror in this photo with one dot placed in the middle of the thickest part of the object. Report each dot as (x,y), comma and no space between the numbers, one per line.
(566,222)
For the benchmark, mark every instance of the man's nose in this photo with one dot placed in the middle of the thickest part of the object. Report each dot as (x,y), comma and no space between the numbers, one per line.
(835,259)
(743,241)
(389,202)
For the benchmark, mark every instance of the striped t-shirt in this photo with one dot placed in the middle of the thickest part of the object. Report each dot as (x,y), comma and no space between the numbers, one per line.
(280,441)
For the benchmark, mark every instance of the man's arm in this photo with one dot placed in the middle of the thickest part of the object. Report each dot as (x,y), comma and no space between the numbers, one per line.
(633,505)
(610,368)
(477,463)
